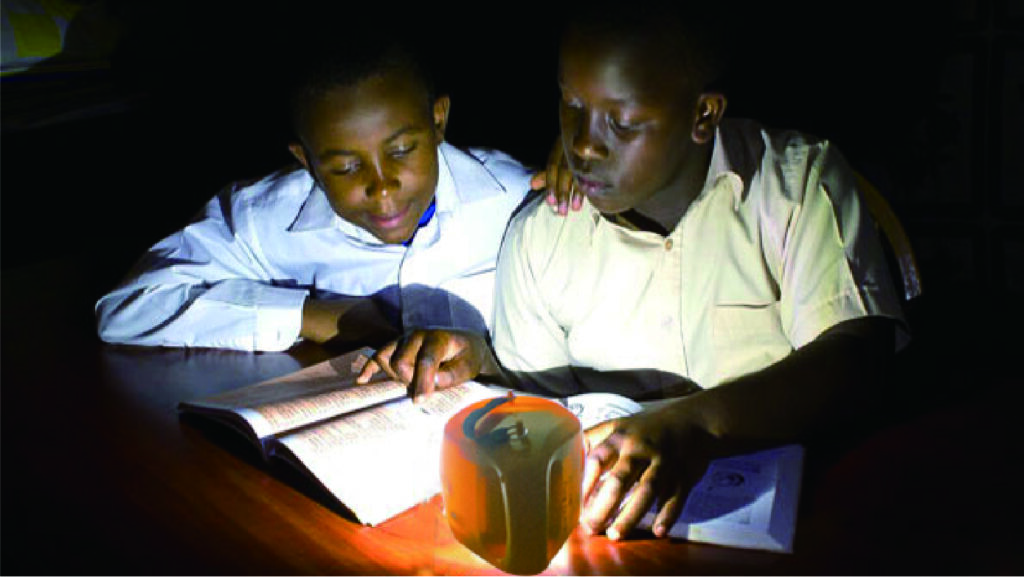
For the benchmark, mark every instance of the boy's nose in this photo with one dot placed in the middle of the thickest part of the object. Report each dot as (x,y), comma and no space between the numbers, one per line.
(381,184)
(587,144)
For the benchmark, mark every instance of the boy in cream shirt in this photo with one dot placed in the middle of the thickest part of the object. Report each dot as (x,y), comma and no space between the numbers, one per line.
(731,266)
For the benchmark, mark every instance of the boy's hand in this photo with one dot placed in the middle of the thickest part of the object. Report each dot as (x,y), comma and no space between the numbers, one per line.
(558,180)
(430,359)
(632,463)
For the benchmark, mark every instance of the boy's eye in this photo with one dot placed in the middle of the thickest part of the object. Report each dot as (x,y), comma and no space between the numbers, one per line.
(621,125)
(345,169)
(402,150)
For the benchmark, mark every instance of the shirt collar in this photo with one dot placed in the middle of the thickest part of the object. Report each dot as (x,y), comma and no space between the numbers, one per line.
(462,178)
(730,161)
(316,212)
(445,196)
(424,220)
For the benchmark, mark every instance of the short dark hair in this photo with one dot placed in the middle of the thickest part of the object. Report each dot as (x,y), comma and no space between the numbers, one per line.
(694,29)
(331,61)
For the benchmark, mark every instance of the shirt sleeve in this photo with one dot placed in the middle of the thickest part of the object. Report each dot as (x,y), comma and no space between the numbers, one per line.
(527,339)
(202,287)
(833,268)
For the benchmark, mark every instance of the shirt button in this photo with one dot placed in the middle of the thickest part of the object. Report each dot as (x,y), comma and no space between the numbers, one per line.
(668,244)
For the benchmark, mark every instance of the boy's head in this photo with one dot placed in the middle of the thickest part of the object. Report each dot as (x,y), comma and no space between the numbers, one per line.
(367,123)
(637,115)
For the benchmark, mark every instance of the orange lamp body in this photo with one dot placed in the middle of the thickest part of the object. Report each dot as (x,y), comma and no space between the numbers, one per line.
(512,473)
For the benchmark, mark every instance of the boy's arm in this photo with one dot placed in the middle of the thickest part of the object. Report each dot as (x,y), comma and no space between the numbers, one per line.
(235,314)
(205,286)
(824,387)
(842,315)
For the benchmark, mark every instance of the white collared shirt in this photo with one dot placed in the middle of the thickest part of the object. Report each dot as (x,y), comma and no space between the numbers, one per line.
(777,248)
(238,276)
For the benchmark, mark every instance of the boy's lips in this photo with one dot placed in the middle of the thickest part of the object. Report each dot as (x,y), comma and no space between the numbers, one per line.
(590,186)
(391,220)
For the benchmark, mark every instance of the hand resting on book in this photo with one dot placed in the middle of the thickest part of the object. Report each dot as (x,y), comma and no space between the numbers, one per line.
(638,461)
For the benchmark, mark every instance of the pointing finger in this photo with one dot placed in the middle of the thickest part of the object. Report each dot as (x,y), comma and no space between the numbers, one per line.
(428,361)
(380,361)
(403,361)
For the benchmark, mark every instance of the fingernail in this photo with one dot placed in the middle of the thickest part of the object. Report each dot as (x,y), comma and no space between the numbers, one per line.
(659,530)
(613,533)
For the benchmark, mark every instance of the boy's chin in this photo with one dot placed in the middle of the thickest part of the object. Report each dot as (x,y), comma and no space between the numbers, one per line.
(394,236)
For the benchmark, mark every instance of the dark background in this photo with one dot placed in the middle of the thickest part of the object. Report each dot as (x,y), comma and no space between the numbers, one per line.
(924,100)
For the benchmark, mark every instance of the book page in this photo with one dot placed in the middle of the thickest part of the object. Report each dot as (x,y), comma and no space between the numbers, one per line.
(313,394)
(595,408)
(383,460)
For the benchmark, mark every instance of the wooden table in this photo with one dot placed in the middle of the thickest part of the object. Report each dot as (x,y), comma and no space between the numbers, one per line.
(102,476)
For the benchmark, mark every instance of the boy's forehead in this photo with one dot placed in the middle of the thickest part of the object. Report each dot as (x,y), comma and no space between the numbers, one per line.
(377,100)
(624,70)
(353,119)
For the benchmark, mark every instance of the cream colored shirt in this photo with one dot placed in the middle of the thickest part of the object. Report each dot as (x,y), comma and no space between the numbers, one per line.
(777,248)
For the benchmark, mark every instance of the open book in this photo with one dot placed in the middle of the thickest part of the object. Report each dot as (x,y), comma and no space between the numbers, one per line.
(378,454)
(367,445)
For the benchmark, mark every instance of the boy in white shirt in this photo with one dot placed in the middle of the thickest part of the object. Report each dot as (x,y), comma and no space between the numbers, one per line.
(384,227)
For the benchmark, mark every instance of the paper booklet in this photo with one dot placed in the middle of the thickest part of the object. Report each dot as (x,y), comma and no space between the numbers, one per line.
(749,501)
(378,454)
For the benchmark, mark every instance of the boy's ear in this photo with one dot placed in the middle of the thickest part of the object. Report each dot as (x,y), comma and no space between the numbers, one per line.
(710,108)
(441,106)
(299,153)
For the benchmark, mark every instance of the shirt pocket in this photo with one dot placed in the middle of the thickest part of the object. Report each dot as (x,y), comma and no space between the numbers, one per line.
(747,337)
